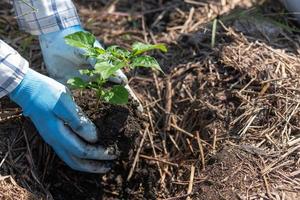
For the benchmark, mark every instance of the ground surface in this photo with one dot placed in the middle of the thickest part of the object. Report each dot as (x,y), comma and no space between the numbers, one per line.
(222,124)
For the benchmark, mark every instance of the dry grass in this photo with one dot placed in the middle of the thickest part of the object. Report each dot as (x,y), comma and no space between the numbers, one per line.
(9,190)
(242,94)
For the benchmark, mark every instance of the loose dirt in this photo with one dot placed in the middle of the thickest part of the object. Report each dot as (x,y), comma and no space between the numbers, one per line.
(241,96)
(118,126)
(119,129)
(225,176)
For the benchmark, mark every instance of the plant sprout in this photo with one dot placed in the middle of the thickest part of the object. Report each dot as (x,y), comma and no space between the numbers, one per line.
(108,62)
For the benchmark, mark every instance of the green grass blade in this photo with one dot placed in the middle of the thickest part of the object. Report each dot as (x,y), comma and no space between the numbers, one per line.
(214,30)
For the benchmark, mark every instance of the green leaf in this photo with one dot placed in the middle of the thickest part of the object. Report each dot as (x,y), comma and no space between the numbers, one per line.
(100,93)
(83,40)
(106,69)
(146,61)
(102,68)
(117,95)
(99,50)
(139,48)
(106,57)
(77,83)
(118,52)
(87,72)
(94,52)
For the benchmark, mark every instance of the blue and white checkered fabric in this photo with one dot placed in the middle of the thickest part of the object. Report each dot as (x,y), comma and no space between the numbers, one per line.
(13,68)
(36,17)
(45,16)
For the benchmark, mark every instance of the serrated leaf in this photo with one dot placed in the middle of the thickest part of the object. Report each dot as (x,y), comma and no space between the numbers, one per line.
(139,48)
(117,95)
(87,72)
(94,52)
(118,52)
(81,39)
(102,68)
(106,69)
(77,83)
(146,61)
(106,57)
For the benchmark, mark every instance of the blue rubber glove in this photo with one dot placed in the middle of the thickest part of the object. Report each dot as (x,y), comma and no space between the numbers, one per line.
(61,123)
(64,62)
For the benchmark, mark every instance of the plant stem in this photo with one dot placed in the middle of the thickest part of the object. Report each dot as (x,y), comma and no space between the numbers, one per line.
(97,104)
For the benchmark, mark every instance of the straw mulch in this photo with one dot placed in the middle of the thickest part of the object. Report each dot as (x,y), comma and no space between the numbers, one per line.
(9,190)
(223,122)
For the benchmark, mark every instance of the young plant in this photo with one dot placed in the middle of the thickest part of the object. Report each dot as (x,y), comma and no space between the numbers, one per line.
(108,62)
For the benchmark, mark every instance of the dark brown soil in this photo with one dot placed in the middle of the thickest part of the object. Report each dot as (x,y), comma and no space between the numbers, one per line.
(223,177)
(242,91)
(119,128)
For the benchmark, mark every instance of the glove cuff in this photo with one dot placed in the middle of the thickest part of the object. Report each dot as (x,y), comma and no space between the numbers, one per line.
(23,93)
(27,93)
(62,32)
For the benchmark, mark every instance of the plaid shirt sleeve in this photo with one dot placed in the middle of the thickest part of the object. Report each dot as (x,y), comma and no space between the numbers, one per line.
(45,16)
(13,68)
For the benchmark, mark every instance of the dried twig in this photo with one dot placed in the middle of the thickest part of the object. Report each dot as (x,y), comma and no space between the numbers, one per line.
(201,157)
(191,183)
(137,154)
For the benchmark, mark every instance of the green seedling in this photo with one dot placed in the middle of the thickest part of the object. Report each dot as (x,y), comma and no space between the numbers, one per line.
(108,62)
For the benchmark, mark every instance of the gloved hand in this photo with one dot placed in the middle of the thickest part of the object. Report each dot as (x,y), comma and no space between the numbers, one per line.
(64,62)
(61,123)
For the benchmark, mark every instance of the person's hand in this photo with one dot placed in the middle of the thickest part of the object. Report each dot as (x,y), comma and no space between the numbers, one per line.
(61,123)
(64,62)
